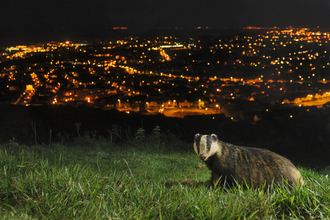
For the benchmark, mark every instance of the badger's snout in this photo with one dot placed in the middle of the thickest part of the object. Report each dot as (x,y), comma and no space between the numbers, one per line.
(202,157)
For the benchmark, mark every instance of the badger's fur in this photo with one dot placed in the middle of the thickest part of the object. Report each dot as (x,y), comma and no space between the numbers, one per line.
(252,167)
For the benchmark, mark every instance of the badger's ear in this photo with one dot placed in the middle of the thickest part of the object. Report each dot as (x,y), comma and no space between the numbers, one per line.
(197,135)
(214,137)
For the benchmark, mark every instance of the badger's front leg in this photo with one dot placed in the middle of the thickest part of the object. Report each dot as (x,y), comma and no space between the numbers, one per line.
(215,179)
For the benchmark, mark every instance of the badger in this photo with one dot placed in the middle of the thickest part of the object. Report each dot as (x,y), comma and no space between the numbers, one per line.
(248,167)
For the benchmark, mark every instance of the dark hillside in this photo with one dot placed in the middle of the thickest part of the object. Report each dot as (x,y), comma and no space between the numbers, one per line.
(304,139)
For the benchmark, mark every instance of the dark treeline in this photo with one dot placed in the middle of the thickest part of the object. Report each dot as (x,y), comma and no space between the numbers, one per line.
(303,139)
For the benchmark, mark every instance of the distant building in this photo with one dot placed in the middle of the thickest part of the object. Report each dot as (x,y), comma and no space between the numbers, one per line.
(154,104)
(170,104)
(185,104)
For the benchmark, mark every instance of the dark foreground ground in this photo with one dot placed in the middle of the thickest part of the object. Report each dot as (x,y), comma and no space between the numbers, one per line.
(304,139)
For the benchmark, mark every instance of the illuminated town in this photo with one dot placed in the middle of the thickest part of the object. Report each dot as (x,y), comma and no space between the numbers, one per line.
(175,76)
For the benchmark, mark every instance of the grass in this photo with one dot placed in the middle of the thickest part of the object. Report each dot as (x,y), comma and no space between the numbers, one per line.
(141,179)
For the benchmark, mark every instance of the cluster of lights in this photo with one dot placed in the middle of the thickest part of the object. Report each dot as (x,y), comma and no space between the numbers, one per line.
(106,59)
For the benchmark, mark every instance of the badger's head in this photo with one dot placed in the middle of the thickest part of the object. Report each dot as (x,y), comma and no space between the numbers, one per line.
(206,146)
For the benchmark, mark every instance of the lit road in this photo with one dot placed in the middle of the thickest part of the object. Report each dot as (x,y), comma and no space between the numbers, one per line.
(319,102)
(180,112)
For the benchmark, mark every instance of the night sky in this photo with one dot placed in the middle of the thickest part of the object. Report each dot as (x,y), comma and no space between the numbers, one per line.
(64,19)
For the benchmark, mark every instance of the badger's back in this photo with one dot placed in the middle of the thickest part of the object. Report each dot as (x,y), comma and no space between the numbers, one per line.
(260,166)
(251,166)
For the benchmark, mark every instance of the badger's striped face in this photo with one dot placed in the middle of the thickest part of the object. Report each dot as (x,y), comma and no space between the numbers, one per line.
(206,146)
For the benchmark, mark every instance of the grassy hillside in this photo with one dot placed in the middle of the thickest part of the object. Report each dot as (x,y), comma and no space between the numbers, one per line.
(154,177)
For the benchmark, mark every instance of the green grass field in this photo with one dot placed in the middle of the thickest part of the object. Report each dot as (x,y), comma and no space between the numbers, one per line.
(152,178)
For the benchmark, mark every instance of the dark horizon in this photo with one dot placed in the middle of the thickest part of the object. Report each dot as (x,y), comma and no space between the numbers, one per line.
(36,21)
(110,33)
